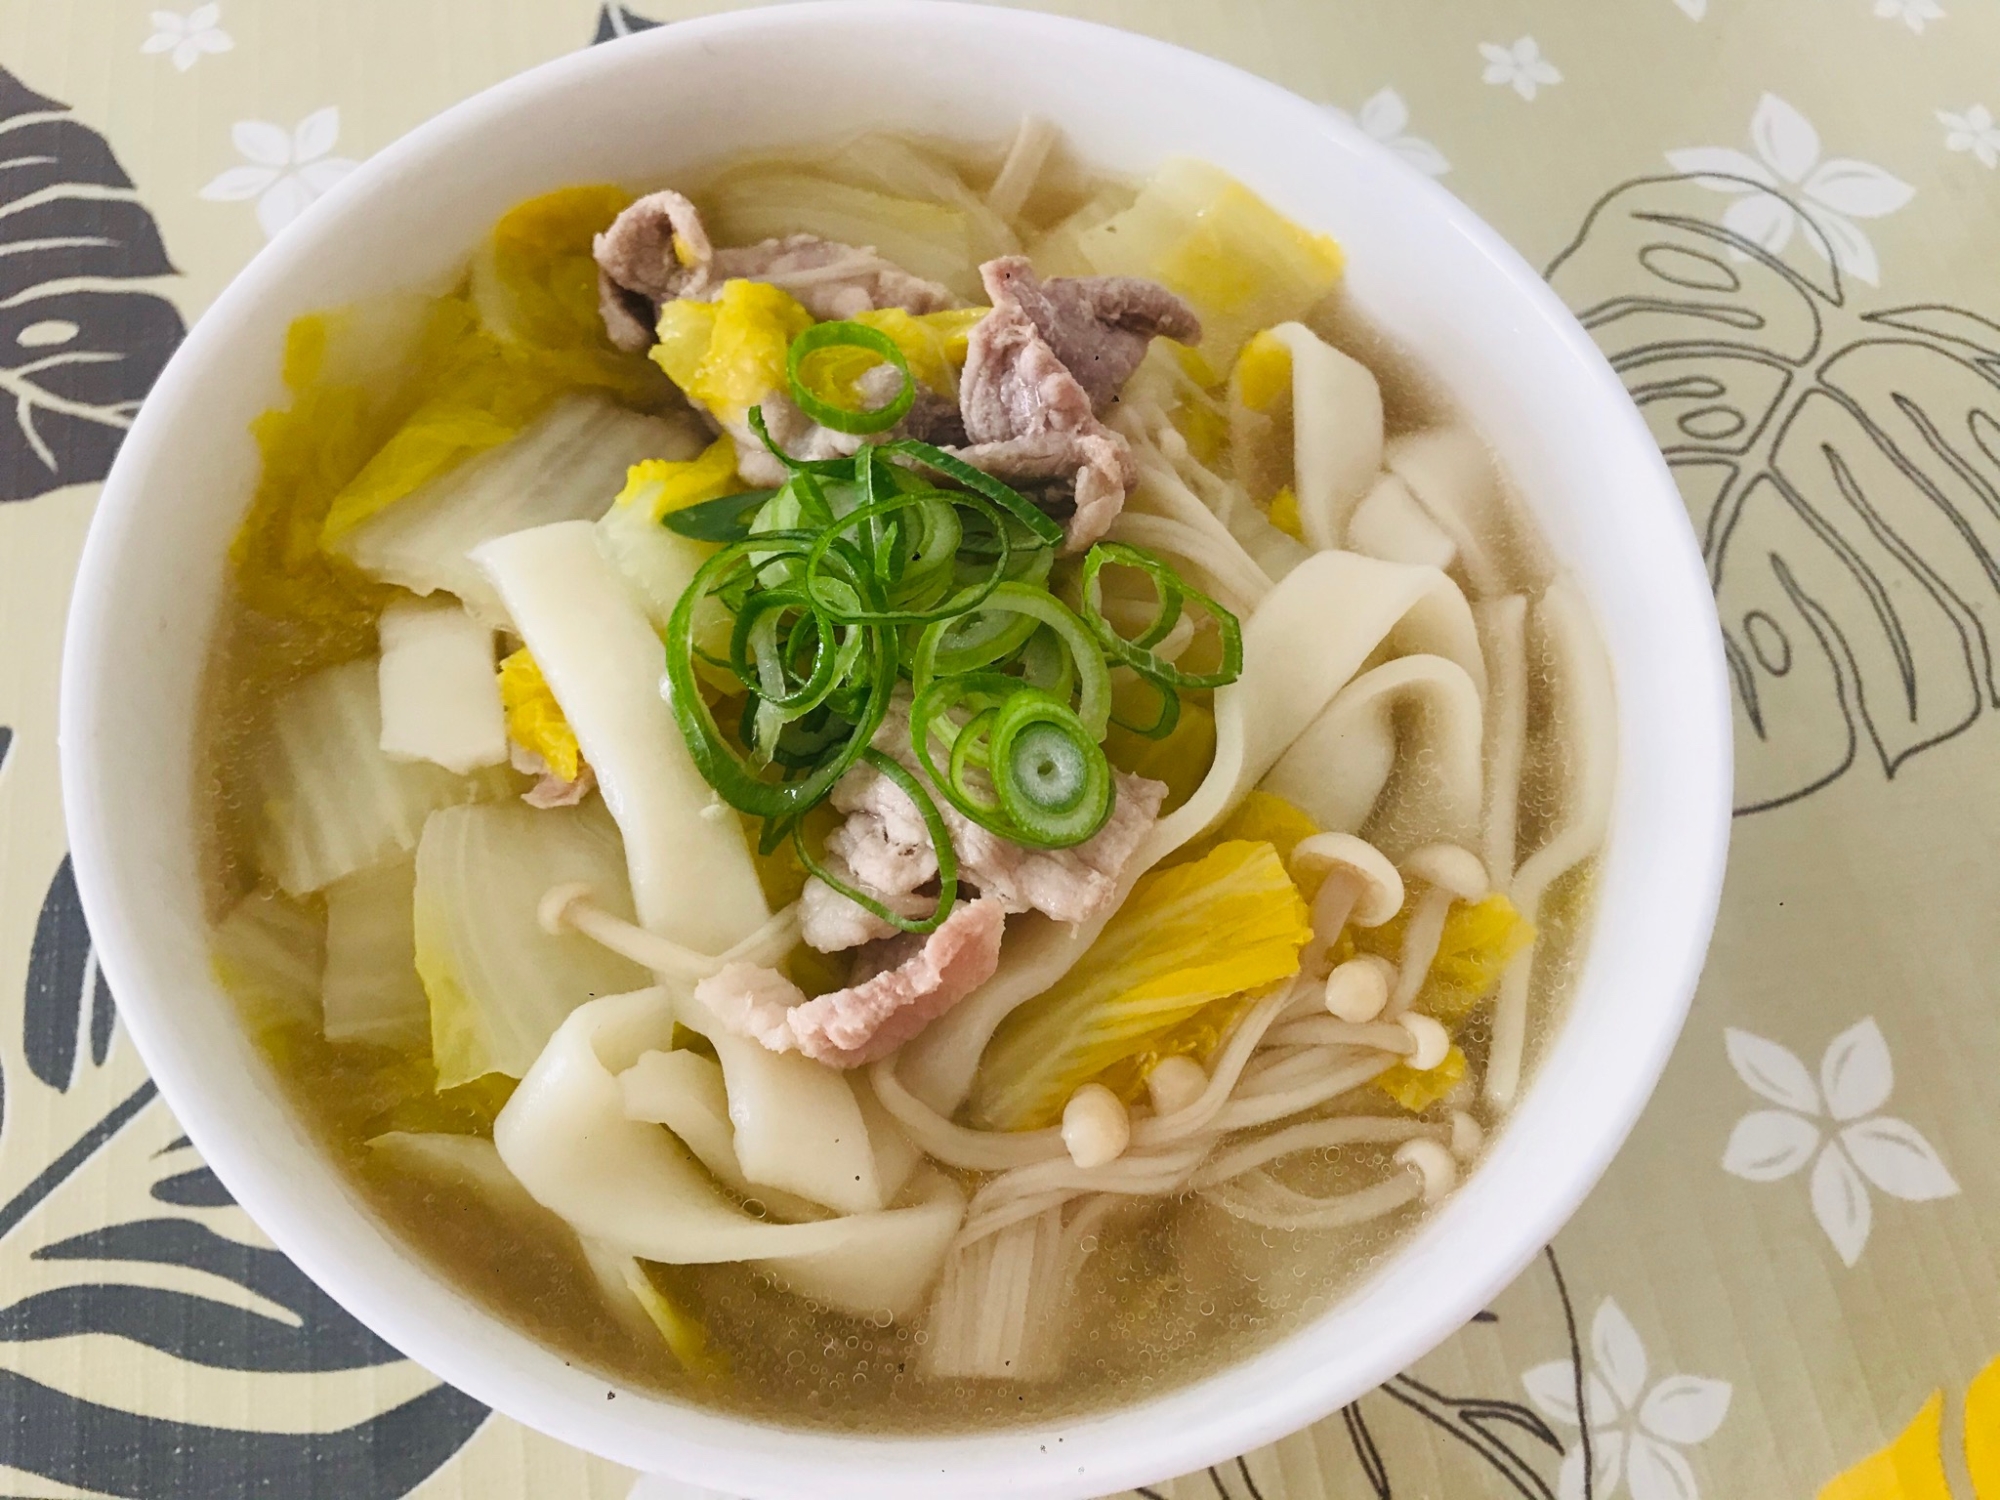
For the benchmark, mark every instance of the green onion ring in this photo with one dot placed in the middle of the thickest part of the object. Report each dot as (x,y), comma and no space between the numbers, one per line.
(1049,773)
(1016,504)
(1137,654)
(845,335)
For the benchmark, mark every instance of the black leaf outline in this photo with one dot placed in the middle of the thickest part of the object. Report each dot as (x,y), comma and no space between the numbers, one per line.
(79,344)
(1842,467)
(67,1014)
(57,1436)
(614,21)
(1484,1425)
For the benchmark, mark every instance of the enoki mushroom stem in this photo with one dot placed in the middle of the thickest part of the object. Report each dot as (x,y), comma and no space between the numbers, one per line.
(573,907)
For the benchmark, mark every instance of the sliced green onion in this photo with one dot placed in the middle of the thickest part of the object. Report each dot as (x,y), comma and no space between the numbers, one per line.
(737,780)
(725,520)
(1048,771)
(1093,676)
(903,563)
(1165,721)
(1137,652)
(1019,506)
(830,414)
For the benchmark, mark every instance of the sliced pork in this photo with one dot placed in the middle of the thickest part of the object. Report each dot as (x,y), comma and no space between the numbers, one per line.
(550,790)
(657,250)
(1029,417)
(1098,326)
(886,850)
(902,985)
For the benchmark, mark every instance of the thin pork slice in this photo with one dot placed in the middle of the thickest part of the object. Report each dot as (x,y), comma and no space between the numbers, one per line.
(657,250)
(1030,422)
(884,849)
(909,982)
(1098,326)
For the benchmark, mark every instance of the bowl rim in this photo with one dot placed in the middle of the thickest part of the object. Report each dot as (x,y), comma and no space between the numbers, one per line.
(1180,1431)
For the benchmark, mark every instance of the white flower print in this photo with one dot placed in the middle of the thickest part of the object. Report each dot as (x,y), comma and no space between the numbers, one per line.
(1859,1146)
(1973,131)
(1915,14)
(1833,193)
(1386,118)
(1520,66)
(1636,1431)
(286,171)
(188,36)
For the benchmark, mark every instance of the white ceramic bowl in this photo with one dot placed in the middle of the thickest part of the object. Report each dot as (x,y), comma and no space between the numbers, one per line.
(642,111)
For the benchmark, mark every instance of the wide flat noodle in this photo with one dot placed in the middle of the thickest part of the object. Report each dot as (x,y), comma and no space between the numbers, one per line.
(1313,632)
(1398,753)
(1452,474)
(634,1187)
(1336,434)
(1391,525)
(798,1125)
(692,876)
(1583,707)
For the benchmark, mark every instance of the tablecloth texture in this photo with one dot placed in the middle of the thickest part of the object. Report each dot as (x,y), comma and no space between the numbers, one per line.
(1781,219)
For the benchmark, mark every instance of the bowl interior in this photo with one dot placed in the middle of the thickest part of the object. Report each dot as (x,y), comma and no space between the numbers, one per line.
(672,101)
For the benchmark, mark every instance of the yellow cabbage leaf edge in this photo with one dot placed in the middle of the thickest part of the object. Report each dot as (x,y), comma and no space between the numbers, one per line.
(1187,935)
(535,721)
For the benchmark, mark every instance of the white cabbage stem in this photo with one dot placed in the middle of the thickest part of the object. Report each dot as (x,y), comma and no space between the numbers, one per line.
(1023,167)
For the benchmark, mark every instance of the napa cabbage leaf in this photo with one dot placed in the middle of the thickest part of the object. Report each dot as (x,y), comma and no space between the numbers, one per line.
(499,985)
(1226,924)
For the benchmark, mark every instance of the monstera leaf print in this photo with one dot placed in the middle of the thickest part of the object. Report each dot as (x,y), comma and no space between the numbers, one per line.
(614,21)
(152,1343)
(80,342)
(1842,466)
(67,1014)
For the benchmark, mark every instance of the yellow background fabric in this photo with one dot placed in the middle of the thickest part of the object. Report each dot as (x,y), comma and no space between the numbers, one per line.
(1787,1285)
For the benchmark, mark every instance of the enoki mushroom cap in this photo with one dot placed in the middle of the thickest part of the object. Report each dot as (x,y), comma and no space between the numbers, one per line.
(1433,1163)
(1095,1126)
(1431,1043)
(1175,1083)
(1359,989)
(1448,867)
(1343,856)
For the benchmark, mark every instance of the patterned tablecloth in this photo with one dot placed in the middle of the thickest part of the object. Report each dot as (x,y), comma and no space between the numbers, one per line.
(1781,218)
